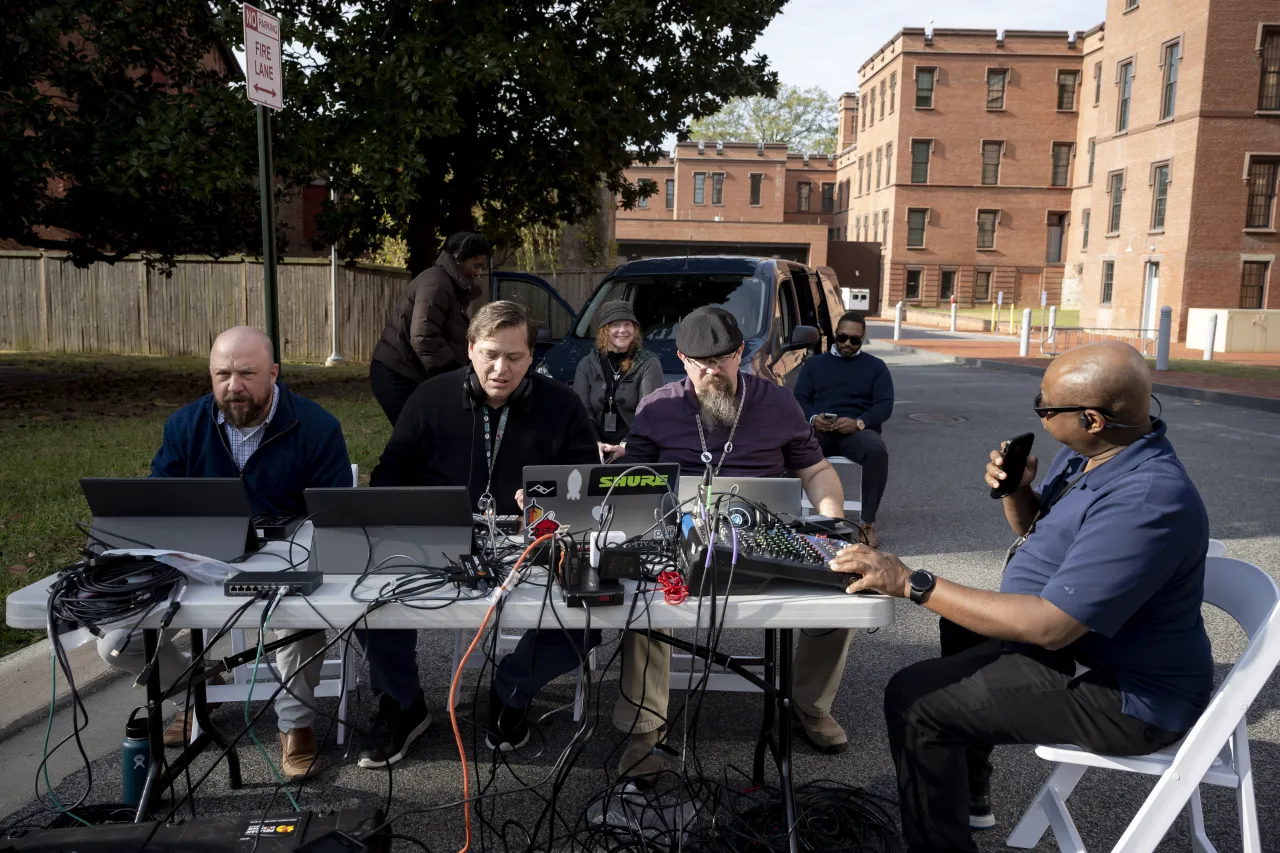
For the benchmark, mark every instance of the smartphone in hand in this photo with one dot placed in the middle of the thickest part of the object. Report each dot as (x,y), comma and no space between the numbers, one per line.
(1014,463)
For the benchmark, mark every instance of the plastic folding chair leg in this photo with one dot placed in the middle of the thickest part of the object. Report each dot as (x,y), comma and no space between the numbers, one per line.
(1200,842)
(1064,829)
(1251,841)
(1036,820)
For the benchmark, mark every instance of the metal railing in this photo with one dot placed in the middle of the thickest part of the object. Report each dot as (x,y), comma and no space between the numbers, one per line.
(1059,340)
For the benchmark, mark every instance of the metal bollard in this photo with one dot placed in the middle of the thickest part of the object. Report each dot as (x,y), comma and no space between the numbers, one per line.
(1212,336)
(897,322)
(1162,338)
(953,313)
(1053,322)
(1024,343)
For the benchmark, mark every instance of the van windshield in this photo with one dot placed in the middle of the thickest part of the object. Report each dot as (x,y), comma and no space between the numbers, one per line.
(660,301)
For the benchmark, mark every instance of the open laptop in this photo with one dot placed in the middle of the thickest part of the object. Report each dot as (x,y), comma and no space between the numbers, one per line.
(396,528)
(573,495)
(199,515)
(778,494)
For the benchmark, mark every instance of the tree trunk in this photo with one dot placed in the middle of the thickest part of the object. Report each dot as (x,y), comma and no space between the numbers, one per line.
(442,209)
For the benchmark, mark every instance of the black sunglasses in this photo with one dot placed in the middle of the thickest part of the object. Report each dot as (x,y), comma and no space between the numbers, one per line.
(1046,411)
(845,339)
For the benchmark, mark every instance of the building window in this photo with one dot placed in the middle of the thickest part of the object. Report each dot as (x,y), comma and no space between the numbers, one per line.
(1093,150)
(893,90)
(1116,189)
(1130,4)
(802,196)
(1067,81)
(996,78)
(828,198)
(717,187)
(1269,92)
(991,152)
(1160,197)
(987,228)
(913,285)
(671,193)
(1085,217)
(863,111)
(871,107)
(859,176)
(888,164)
(982,286)
(1253,283)
(883,86)
(857,230)
(1108,281)
(1126,95)
(924,87)
(884,217)
(879,164)
(916,218)
(1061,164)
(1057,228)
(1262,193)
(875,220)
(647,188)
(1097,83)
(920,160)
(947,288)
(866,225)
(699,187)
(756,180)
(1169,98)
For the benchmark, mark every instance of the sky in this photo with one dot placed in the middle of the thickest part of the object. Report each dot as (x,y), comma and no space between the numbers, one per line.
(824,42)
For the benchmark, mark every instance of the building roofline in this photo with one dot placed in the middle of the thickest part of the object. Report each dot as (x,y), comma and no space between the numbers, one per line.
(1097,29)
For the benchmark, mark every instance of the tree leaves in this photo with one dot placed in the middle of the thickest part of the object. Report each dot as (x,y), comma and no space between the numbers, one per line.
(803,119)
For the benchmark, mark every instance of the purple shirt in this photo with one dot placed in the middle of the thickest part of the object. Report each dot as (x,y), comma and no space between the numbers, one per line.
(773,436)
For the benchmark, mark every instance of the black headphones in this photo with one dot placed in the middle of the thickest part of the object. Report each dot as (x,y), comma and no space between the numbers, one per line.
(473,392)
(1107,423)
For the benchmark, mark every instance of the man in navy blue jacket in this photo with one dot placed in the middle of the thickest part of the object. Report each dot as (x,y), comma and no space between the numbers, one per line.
(847,394)
(279,444)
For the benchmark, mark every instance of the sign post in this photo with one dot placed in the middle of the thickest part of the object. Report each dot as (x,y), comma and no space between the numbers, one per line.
(265,88)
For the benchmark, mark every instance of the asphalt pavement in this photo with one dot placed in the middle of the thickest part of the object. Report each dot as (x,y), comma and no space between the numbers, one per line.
(936,515)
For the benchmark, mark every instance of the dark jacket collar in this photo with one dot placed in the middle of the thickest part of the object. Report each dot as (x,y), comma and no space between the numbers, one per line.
(450,268)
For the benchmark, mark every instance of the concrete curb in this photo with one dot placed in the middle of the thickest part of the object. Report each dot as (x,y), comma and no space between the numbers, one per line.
(1225,398)
(25,674)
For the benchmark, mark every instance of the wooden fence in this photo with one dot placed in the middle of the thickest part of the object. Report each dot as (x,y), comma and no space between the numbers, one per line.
(48,305)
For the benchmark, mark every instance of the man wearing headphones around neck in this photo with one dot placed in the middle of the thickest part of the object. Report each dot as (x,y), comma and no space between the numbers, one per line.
(479,427)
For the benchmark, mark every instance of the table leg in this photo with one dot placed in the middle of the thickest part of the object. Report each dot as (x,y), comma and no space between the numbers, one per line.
(155,734)
(784,739)
(201,699)
(766,740)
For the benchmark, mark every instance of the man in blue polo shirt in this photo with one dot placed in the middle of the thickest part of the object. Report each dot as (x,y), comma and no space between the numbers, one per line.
(1108,572)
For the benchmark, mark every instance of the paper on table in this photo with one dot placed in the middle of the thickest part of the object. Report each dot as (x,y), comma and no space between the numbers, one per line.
(194,566)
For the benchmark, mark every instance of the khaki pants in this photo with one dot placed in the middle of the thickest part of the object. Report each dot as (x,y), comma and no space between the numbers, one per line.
(646,674)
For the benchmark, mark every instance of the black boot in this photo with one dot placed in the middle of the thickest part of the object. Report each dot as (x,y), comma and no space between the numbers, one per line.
(508,727)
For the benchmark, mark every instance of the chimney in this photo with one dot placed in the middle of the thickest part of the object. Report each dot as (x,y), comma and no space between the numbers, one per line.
(848,111)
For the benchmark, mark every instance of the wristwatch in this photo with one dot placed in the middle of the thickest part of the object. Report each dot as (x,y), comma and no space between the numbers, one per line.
(921,583)
(861,425)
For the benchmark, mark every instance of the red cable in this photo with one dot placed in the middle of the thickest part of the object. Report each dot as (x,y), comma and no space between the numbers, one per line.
(673,587)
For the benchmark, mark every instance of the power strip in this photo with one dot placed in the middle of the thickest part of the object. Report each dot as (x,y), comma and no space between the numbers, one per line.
(249,584)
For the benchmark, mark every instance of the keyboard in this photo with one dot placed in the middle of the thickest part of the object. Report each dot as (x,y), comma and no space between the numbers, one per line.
(765,555)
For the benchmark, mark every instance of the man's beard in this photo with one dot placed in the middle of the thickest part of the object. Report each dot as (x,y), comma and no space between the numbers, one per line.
(717,402)
(247,415)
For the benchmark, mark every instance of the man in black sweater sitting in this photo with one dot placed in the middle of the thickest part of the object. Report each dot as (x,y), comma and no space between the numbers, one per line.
(847,394)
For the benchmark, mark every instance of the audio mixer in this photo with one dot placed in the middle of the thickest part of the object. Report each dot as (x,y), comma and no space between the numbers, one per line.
(765,554)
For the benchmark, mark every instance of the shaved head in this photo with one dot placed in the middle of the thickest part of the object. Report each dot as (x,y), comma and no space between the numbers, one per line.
(1107,375)
(243,370)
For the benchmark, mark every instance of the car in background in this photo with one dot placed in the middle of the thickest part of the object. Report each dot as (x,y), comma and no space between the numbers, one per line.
(787,311)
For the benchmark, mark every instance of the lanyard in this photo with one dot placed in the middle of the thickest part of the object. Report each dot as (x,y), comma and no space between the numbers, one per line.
(728,445)
(612,379)
(1043,511)
(491,451)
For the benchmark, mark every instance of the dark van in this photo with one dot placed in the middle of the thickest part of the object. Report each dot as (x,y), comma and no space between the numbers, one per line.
(786,310)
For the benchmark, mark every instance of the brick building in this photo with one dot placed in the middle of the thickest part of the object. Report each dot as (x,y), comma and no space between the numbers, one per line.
(955,158)
(1182,119)
(732,198)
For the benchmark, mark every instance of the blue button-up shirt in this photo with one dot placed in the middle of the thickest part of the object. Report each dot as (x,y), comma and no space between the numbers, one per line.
(1123,553)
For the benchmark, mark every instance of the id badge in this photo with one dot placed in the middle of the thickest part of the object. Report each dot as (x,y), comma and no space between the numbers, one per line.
(611,422)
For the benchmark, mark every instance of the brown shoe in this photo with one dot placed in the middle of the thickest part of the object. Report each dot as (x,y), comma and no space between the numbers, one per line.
(869,534)
(179,731)
(639,759)
(822,733)
(299,755)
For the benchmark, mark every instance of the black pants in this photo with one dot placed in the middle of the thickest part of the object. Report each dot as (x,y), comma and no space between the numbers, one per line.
(945,711)
(866,448)
(392,390)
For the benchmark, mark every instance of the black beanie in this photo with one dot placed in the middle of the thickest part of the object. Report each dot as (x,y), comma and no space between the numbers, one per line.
(611,312)
(708,333)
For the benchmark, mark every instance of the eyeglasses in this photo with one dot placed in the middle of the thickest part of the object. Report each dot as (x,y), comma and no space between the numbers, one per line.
(1049,411)
(711,363)
(844,339)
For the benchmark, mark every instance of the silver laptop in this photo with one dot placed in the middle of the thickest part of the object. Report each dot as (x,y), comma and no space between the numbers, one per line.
(391,529)
(777,494)
(208,516)
(574,495)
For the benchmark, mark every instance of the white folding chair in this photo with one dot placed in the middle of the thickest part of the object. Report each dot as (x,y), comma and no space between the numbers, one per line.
(1214,752)
(506,644)
(851,480)
(1217,548)
(332,672)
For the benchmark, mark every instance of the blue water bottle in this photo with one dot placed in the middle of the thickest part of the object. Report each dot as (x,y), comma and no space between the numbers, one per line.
(135,757)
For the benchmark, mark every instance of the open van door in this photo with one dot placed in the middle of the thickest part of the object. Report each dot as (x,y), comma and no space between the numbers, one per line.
(549,311)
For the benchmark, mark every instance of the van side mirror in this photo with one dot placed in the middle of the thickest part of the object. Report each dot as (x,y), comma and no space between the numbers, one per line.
(803,337)
(544,335)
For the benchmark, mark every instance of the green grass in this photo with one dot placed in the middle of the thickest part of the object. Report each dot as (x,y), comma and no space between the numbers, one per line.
(1222,368)
(67,417)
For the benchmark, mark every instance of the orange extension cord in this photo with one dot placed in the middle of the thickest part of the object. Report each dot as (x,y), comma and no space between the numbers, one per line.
(457,676)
